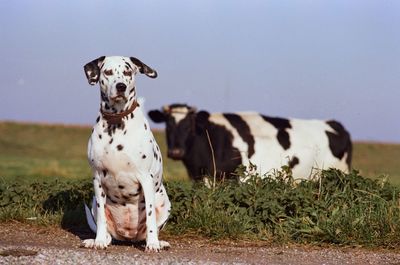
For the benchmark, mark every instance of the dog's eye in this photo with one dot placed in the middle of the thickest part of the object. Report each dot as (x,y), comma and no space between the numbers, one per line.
(108,72)
(127,73)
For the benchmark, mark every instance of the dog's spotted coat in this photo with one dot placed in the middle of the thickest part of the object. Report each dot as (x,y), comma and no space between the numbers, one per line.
(130,201)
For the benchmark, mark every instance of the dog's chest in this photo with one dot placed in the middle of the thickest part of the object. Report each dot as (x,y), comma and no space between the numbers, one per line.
(127,147)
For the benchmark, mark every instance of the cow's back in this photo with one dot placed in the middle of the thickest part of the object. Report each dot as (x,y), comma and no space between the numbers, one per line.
(271,142)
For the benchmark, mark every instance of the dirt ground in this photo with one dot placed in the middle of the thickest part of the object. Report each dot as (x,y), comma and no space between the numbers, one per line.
(22,243)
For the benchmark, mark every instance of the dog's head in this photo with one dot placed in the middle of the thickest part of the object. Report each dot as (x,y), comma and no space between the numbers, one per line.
(116,76)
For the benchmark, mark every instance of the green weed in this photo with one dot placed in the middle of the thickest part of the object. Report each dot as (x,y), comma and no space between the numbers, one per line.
(338,208)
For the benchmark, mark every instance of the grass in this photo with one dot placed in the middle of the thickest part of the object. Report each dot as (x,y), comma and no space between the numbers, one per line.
(35,151)
(340,209)
(378,159)
(32,151)
(45,177)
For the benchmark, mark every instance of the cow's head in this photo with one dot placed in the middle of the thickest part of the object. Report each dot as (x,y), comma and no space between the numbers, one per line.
(116,75)
(182,124)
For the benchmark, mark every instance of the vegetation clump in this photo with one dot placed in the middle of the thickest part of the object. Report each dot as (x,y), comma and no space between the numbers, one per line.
(335,207)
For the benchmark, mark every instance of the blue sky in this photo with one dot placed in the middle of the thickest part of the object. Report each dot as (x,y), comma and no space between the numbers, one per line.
(303,59)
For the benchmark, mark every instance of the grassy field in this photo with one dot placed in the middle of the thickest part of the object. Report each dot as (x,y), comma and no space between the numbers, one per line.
(37,151)
(42,168)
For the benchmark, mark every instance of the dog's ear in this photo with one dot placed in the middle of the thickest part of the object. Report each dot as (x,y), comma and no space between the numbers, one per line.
(144,69)
(157,116)
(92,70)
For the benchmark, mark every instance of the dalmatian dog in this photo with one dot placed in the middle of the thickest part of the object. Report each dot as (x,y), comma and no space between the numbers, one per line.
(130,201)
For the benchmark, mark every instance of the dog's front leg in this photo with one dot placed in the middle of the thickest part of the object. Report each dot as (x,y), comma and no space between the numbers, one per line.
(103,238)
(152,242)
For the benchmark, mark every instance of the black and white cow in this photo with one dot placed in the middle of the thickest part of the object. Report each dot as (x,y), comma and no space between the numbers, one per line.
(252,138)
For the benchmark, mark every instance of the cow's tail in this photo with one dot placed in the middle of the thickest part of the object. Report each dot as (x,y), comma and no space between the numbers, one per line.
(90,215)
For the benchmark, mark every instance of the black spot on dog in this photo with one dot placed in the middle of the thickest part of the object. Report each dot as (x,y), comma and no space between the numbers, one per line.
(132,115)
(293,162)
(151,175)
(125,132)
(100,186)
(156,184)
(111,140)
(151,205)
(102,194)
(98,205)
(145,126)
(143,156)
(104,172)
(151,231)
(100,136)
(125,197)
(133,89)
(116,196)
(150,213)
(158,189)
(98,118)
(120,147)
(121,187)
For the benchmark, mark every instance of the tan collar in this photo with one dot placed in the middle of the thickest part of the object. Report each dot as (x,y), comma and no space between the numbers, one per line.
(116,118)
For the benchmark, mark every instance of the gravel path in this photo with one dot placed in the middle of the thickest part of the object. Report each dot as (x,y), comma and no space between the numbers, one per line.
(28,244)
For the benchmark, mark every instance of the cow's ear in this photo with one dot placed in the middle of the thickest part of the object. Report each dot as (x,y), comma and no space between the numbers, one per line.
(202,120)
(143,68)
(92,70)
(157,116)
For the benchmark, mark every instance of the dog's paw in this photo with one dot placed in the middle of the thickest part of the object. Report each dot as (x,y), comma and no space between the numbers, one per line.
(153,246)
(164,245)
(95,243)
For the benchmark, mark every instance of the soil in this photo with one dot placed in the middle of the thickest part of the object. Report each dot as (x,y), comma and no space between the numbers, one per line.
(22,243)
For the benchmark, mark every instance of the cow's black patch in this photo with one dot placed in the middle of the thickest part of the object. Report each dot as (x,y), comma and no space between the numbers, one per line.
(283,139)
(243,129)
(339,141)
(293,162)
(281,125)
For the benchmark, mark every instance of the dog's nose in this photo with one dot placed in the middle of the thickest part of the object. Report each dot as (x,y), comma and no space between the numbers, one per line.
(121,87)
